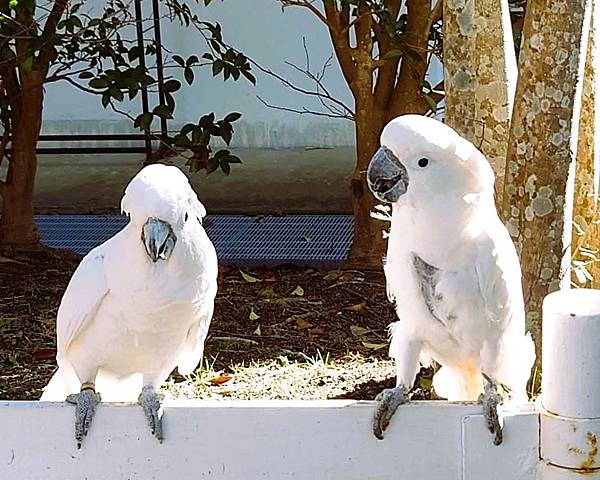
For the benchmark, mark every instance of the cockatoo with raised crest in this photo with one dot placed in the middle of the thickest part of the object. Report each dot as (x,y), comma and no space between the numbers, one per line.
(452,271)
(138,305)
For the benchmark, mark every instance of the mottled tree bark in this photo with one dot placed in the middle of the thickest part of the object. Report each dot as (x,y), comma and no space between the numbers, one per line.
(585,238)
(480,76)
(540,149)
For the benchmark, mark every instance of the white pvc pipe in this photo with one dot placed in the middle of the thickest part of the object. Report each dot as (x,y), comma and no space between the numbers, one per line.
(571,353)
(570,419)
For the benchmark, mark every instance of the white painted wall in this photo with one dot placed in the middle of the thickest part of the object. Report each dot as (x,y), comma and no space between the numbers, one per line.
(277,440)
(266,34)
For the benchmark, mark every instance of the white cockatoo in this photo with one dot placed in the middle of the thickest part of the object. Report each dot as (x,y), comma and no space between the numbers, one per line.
(451,269)
(138,305)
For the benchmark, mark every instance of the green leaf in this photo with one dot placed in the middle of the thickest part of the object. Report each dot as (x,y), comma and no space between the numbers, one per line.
(86,75)
(212,166)
(179,59)
(105,99)
(225,167)
(143,121)
(217,66)
(249,76)
(188,73)
(232,117)
(181,141)
(430,103)
(192,59)
(232,159)
(298,291)
(172,85)
(98,83)
(395,53)
(258,331)
(358,331)
(374,346)
(253,315)
(207,120)
(249,278)
(163,111)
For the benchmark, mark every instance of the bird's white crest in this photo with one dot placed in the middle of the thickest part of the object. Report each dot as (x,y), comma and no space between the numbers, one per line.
(414,136)
(161,191)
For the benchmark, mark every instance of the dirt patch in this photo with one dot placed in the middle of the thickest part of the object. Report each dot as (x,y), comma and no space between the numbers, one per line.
(288,332)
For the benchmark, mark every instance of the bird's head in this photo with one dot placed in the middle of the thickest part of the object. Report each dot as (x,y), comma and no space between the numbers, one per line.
(160,201)
(423,158)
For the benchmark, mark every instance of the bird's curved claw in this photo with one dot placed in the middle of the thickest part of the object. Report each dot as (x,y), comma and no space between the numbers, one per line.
(150,402)
(85,406)
(491,401)
(388,402)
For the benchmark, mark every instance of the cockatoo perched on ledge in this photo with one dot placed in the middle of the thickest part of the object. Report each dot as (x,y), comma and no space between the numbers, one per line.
(451,269)
(138,305)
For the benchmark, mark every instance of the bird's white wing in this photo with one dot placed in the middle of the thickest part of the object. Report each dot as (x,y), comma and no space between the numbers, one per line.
(193,348)
(82,298)
(499,278)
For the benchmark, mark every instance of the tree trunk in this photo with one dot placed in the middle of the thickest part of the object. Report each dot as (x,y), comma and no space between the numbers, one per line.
(480,76)
(586,234)
(17,225)
(368,245)
(541,146)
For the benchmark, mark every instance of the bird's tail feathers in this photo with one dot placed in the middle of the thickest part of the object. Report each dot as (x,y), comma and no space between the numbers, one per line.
(457,385)
(63,383)
(520,361)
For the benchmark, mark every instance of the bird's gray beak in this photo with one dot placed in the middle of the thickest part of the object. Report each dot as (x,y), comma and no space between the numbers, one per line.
(386,176)
(159,239)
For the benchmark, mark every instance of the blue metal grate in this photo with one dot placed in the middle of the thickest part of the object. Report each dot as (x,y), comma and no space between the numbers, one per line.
(317,240)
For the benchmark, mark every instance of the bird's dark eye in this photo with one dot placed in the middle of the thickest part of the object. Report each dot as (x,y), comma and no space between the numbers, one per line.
(423,162)
(186,217)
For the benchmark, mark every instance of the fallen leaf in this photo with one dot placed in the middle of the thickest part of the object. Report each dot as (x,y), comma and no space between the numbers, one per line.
(357,307)
(374,346)
(220,379)
(358,331)
(317,331)
(267,292)
(333,275)
(257,331)
(302,324)
(253,315)
(298,291)
(249,278)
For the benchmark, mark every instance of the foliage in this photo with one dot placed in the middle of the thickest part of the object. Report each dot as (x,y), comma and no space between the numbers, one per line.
(97,52)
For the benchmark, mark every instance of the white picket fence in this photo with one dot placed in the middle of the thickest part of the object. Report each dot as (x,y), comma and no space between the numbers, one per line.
(332,440)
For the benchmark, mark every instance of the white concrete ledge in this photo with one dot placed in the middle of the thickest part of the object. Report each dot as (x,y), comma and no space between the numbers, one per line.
(327,440)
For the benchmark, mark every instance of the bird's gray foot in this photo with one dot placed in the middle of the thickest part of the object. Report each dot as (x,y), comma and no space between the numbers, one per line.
(150,402)
(85,406)
(491,401)
(387,403)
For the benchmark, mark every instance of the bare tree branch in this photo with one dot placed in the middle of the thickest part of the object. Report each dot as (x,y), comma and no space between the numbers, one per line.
(306,4)
(323,95)
(436,12)
(304,110)
(52,21)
